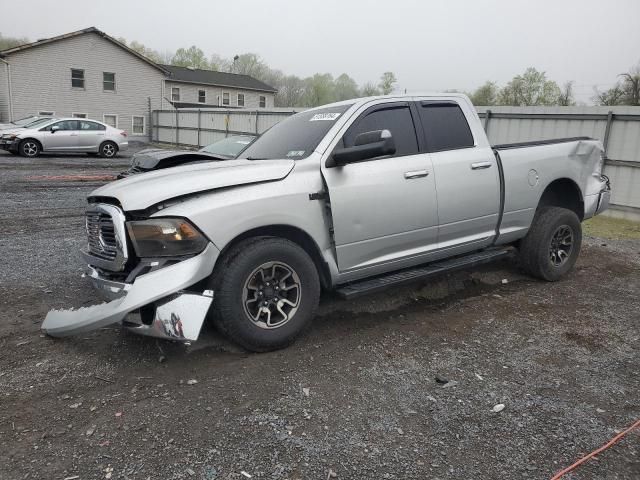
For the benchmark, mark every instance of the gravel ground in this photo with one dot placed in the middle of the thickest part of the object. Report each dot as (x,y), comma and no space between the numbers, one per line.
(356,397)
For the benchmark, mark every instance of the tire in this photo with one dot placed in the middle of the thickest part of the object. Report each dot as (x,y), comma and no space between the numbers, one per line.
(552,245)
(29,148)
(108,150)
(243,285)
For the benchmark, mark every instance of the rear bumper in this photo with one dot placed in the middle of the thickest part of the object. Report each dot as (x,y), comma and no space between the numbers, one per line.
(597,203)
(122,146)
(176,314)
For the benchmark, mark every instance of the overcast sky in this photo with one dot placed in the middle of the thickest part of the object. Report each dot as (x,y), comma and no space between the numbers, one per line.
(429,44)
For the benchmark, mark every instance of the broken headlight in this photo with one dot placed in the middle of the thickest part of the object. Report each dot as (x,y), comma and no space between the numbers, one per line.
(165,237)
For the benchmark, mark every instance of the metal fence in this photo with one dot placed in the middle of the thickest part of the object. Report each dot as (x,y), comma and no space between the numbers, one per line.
(199,127)
(617,127)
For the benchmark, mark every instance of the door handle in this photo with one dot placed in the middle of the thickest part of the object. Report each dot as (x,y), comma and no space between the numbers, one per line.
(480,165)
(415,174)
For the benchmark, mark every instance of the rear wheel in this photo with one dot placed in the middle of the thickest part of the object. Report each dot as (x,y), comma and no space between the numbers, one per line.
(552,244)
(29,148)
(266,293)
(108,150)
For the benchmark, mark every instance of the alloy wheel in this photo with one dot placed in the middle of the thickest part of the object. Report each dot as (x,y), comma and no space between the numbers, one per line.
(109,150)
(561,245)
(271,295)
(30,149)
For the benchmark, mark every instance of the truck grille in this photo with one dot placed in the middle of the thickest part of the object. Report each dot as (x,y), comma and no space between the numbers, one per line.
(101,235)
(106,238)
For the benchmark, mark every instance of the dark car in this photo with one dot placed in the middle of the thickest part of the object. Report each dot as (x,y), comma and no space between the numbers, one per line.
(158,158)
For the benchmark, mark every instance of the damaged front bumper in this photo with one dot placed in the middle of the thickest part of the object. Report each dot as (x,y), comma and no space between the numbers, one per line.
(154,304)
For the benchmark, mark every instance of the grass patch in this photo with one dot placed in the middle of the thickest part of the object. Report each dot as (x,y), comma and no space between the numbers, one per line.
(609,227)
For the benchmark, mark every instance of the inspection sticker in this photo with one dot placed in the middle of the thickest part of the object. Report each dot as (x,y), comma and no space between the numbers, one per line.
(324,116)
(295,153)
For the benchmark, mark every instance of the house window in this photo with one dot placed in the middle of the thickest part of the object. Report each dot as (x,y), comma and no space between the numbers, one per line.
(137,125)
(79,115)
(202,96)
(109,81)
(46,114)
(77,78)
(263,101)
(110,119)
(225,98)
(241,99)
(175,94)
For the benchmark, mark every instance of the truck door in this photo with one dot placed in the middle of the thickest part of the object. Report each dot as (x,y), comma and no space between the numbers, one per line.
(383,209)
(466,177)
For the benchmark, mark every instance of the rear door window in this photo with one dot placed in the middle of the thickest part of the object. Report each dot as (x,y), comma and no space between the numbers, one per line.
(395,118)
(86,125)
(445,126)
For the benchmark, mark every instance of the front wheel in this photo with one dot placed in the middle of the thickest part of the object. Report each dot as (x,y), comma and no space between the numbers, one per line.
(108,150)
(266,293)
(29,148)
(552,244)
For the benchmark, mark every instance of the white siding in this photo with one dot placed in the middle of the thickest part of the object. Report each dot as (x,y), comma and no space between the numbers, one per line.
(189,94)
(4,93)
(41,80)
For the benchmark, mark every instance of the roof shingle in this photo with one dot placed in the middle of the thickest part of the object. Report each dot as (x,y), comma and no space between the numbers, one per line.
(222,79)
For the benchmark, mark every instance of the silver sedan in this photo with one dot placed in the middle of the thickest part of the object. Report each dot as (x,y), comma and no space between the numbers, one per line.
(65,135)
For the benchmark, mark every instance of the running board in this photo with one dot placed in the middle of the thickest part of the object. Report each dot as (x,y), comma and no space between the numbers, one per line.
(377,284)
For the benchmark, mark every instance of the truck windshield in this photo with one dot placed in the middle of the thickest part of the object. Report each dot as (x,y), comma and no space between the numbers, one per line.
(296,136)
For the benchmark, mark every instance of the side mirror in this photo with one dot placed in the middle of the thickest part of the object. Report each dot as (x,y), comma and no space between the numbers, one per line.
(377,143)
(55,128)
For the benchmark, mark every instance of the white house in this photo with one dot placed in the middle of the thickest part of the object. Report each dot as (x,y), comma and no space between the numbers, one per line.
(89,74)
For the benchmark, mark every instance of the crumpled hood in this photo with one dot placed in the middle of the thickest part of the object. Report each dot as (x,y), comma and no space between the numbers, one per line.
(152,157)
(141,191)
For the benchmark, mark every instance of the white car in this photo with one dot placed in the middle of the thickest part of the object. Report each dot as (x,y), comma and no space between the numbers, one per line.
(65,135)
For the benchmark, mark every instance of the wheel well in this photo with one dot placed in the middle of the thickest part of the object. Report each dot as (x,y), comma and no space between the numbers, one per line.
(297,236)
(109,141)
(33,140)
(563,193)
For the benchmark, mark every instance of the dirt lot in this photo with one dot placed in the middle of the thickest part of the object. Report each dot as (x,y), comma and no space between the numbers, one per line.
(356,397)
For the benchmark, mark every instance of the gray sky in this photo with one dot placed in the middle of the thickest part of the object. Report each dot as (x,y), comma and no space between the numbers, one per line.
(429,44)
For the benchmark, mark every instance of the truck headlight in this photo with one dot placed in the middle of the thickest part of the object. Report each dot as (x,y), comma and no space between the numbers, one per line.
(165,237)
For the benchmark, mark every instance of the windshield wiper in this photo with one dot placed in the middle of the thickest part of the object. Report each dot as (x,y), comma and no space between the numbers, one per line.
(255,158)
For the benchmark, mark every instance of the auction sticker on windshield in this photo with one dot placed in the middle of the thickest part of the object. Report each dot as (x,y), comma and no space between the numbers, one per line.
(295,153)
(324,116)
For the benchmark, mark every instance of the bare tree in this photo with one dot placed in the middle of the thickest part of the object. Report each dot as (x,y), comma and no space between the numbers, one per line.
(369,90)
(565,99)
(631,86)
(387,82)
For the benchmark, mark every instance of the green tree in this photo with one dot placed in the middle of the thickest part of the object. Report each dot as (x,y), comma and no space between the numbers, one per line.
(250,64)
(10,42)
(369,90)
(345,88)
(485,95)
(190,57)
(387,82)
(319,90)
(530,88)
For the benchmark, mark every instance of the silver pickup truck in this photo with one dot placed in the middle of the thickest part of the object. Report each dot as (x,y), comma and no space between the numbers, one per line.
(355,196)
